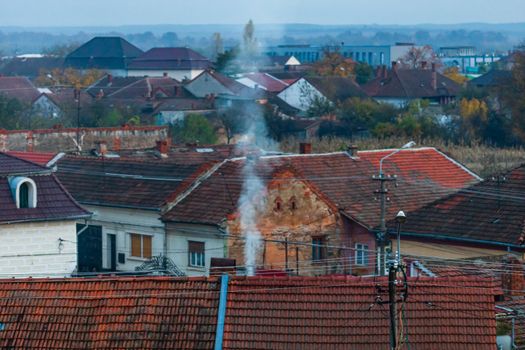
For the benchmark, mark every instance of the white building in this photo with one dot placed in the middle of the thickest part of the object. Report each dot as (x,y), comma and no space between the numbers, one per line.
(37,221)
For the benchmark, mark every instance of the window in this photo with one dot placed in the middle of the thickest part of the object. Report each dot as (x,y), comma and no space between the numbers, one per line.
(196,254)
(23,190)
(278,204)
(361,254)
(318,248)
(140,246)
(23,195)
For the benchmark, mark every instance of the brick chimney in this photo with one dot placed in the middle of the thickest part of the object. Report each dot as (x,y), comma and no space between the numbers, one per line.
(102,148)
(351,150)
(165,74)
(424,65)
(513,281)
(394,65)
(163,147)
(434,76)
(305,148)
(30,141)
(385,72)
(110,79)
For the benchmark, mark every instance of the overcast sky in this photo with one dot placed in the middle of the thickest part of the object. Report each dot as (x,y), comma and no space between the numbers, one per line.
(126,12)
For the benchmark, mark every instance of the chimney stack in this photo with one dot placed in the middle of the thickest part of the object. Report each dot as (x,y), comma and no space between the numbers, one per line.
(165,74)
(352,150)
(110,78)
(163,147)
(102,148)
(394,65)
(424,65)
(512,279)
(305,148)
(434,76)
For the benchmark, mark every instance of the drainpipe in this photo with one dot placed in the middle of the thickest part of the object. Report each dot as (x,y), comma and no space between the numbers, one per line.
(221,315)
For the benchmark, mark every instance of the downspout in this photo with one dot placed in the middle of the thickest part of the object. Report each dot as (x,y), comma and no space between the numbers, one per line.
(221,315)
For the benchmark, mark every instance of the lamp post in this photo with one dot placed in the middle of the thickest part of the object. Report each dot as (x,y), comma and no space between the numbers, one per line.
(394,265)
(383,192)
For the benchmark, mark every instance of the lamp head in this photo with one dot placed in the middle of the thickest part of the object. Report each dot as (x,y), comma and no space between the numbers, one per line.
(401,217)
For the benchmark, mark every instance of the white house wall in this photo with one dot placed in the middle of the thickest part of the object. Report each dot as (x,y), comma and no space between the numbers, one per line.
(205,85)
(33,249)
(180,234)
(300,94)
(122,222)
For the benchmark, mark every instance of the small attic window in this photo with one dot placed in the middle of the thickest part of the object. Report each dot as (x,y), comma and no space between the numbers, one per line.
(292,203)
(278,204)
(24,191)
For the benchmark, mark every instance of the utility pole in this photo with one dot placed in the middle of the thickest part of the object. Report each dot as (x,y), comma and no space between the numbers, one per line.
(381,235)
(77,98)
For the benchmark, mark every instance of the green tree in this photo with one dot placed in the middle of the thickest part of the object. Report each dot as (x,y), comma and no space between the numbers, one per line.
(194,128)
(334,64)
(512,95)
(13,113)
(363,72)
(224,60)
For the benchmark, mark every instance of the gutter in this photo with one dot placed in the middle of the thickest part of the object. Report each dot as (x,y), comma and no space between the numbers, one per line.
(449,238)
(221,315)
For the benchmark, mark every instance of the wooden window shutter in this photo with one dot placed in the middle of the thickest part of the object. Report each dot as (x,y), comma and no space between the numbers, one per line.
(146,249)
(136,245)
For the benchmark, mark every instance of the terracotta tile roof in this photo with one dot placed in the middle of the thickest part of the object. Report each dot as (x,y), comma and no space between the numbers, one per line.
(411,83)
(170,58)
(40,158)
(488,211)
(261,313)
(125,313)
(424,175)
(123,182)
(340,313)
(53,201)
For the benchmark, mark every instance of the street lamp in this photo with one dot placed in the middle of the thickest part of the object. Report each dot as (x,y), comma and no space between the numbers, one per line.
(401,218)
(383,191)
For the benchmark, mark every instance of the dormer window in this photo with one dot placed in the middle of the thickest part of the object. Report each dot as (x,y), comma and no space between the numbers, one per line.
(23,190)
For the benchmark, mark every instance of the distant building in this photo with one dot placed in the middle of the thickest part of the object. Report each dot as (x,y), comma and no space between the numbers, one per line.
(374,55)
(466,58)
(180,63)
(111,54)
(30,67)
(305,91)
(400,86)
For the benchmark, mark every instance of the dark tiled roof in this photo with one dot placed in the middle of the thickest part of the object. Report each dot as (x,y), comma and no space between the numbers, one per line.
(424,175)
(268,82)
(53,201)
(232,86)
(411,83)
(170,58)
(185,104)
(30,67)
(125,313)
(488,211)
(20,88)
(134,87)
(103,53)
(123,182)
(492,78)
(336,88)
(261,313)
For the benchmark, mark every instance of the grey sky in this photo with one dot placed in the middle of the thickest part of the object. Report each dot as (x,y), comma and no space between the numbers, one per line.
(126,12)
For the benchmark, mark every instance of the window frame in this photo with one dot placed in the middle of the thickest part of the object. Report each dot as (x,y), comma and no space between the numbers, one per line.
(361,254)
(141,246)
(197,258)
(318,249)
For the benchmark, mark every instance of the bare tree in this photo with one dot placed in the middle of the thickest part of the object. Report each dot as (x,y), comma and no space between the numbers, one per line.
(416,57)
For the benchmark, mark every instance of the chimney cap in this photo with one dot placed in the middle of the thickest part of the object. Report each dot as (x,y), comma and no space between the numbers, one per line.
(352,150)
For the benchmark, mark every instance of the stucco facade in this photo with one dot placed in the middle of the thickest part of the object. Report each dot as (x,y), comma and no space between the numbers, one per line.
(38,249)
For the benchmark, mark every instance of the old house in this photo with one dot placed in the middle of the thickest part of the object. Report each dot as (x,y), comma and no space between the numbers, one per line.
(308,91)
(37,221)
(127,192)
(107,53)
(400,86)
(263,81)
(20,88)
(324,205)
(484,219)
(180,63)
(243,313)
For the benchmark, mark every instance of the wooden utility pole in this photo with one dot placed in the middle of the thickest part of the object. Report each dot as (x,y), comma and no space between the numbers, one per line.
(381,235)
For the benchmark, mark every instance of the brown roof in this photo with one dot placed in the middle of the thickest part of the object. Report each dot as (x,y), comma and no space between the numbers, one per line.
(411,83)
(490,211)
(170,58)
(53,201)
(20,88)
(336,88)
(267,81)
(261,313)
(123,182)
(424,175)
(134,87)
